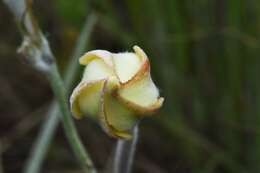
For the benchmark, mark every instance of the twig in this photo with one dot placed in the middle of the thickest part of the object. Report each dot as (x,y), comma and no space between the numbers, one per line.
(47,131)
(124,154)
(36,48)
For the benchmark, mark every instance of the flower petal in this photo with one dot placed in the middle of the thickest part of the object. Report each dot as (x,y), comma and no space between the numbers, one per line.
(116,119)
(140,53)
(104,55)
(85,98)
(141,94)
(128,64)
(97,69)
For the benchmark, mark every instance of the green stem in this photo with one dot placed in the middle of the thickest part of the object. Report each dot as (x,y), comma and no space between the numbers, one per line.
(124,154)
(69,127)
(43,141)
(82,42)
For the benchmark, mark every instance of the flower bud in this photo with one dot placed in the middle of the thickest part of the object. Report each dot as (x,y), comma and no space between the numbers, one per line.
(116,89)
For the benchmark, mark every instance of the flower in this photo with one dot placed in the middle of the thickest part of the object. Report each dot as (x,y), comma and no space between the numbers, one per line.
(116,89)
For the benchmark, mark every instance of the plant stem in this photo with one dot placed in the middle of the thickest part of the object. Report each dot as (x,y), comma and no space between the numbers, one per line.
(124,154)
(81,44)
(46,134)
(69,127)
(43,141)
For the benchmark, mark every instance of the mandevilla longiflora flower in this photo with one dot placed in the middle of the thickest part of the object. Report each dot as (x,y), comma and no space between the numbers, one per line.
(116,89)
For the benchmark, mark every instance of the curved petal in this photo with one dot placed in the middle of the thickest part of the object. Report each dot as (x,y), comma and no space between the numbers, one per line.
(140,53)
(141,95)
(115,118)
(128,65)
(143,71)
(85,98)
(104,55)
(97,69)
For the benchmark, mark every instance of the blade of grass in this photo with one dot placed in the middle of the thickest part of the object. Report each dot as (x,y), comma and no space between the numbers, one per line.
(196,62)
(41,145)
(177,24)
(252,118)
(80,47)
(232,110)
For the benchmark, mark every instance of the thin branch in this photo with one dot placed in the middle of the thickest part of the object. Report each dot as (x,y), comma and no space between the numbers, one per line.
(36,49)
(124,154)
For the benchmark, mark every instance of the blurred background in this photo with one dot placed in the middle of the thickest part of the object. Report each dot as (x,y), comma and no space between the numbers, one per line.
(205,60)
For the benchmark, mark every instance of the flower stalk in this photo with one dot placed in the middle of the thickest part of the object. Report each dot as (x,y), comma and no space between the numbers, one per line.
(69,127)
(124,153)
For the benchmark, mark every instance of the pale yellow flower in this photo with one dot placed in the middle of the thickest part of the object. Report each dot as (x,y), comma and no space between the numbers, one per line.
(117,89)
